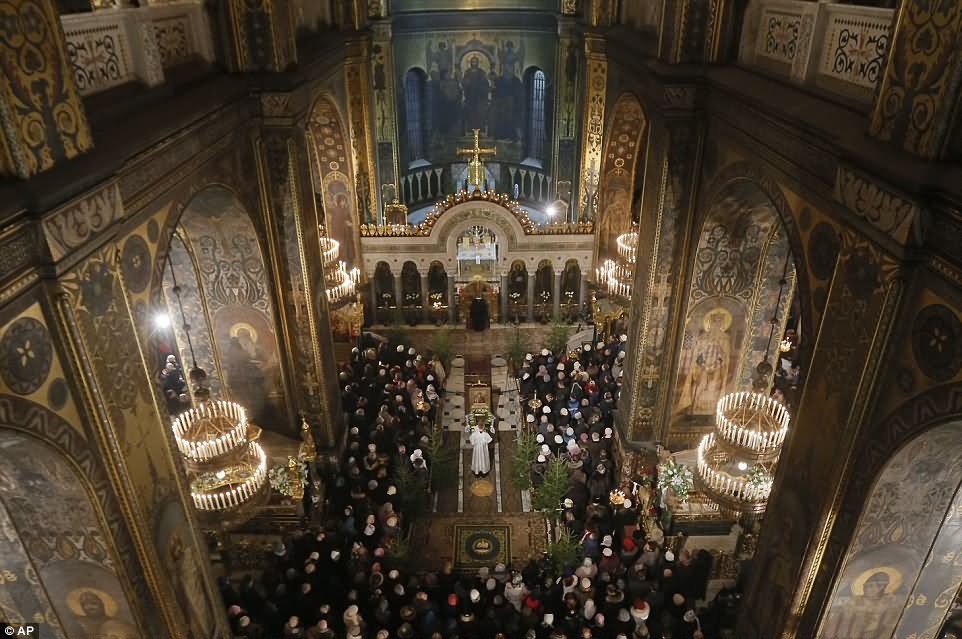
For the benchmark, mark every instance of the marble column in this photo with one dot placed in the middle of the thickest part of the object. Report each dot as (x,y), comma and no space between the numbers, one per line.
(504,298)
(452,302)
(556,297)
(582,286)
(425,298)
(531,280)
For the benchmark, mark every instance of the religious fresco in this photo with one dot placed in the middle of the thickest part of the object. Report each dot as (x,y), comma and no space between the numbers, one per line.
(777,260)
(200,347)
(472,80)
(237,292)
(709,358)
(725,282)
(46,502)
(615,193)
(895,534)
(333,175)
(181,560)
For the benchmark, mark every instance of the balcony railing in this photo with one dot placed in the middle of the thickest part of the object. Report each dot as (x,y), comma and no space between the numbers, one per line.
(837,48)
(422,186)
(111,47)
(533,184)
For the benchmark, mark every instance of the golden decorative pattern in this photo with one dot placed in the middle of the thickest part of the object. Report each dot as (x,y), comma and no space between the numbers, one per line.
(596,82)
(919,93)
(41,116)
(358,87)
(423,229)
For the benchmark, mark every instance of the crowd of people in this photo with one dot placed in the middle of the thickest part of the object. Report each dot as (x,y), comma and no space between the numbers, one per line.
(346,580)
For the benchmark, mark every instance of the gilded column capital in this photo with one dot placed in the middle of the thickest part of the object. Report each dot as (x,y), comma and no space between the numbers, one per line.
(42,120)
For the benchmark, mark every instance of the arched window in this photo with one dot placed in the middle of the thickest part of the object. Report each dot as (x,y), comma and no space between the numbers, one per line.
(535,129)
(414,106)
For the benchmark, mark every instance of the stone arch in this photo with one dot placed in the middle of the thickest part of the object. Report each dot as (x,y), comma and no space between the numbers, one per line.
(908,523)
(622,146)
(81,494)
(752,173)
(571,282)
(234,295)
(333,175)
(458,218)
(730,294)
(933,408)
(411,284)
(437,283)
(384,285)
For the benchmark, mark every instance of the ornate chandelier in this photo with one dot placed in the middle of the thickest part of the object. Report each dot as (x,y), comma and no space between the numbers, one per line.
(226,466)
(341,283)
(617,276)
(736,461)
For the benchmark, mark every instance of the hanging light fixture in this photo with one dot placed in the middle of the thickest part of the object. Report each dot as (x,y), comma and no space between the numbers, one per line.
(226,466)
(618,276)
(736,462)
(340,283)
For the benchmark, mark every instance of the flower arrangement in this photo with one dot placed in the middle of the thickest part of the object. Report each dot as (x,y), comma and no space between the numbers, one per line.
(479,418)
(280,478)
(758,476)
(677,477)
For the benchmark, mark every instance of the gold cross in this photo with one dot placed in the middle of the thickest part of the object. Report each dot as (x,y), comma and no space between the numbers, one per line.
(475,164)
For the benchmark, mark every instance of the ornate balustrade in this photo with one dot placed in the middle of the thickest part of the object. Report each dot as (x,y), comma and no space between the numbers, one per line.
(834,47)
(423,229)
(111,47)
(422,185)
(533,184)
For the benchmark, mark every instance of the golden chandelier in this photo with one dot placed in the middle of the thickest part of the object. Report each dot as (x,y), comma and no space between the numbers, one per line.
(735,462)
(341,283)
(617,276)
(226,466)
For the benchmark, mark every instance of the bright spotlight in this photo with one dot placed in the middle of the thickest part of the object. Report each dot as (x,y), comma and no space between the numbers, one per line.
(162,320)
(742,466)
(551,211)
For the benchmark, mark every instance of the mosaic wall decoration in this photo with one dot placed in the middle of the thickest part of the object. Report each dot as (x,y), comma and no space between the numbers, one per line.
(45,500)
(335,176)
(43,120)
(725,281)
(471,79)
(237,291)
(894,536)
(616,191)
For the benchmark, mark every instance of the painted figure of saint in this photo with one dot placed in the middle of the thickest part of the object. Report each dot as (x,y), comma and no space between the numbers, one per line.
(706,364)
(95,612)
(476,88)
(871,611)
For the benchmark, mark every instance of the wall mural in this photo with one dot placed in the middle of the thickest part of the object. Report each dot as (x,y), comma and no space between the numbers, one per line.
(618,173)
(333,177)
(763,305)
(190,297)
(472,80)
(45,500)
(894,536)
(236,288)
(724,282)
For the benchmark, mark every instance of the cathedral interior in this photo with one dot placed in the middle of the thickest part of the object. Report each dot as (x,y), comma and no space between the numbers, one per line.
(547,319)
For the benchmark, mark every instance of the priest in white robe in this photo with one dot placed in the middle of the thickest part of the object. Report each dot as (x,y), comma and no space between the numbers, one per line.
(481,457)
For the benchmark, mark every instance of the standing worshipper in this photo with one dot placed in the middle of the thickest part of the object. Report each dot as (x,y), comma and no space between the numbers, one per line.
(481,458)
